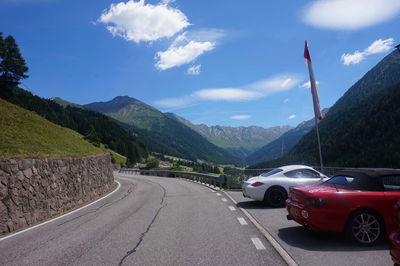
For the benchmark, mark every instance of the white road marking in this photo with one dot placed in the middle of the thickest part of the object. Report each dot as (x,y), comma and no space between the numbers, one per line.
(211,190)
(242,221)
(218,194)
(224,200)
(59,217)
(282,252)
(257,243)
(232,208)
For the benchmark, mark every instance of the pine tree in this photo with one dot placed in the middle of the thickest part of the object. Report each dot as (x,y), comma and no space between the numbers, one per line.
(12,64)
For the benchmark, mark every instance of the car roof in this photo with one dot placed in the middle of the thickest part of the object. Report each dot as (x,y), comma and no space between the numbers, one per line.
(366,178)
(369,172)
(294,166)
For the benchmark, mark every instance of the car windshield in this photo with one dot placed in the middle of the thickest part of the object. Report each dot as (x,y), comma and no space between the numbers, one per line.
(272,172)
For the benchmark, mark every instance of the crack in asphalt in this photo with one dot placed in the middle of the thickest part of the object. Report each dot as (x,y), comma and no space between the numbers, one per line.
(142,235)
(102,206)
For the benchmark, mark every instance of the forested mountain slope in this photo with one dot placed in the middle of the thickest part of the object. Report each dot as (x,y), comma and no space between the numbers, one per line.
(362,128)
(95,126)
(284,143)
(161,133)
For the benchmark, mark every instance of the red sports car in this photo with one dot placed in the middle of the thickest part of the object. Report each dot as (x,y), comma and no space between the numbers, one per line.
(395,236)
(358,202)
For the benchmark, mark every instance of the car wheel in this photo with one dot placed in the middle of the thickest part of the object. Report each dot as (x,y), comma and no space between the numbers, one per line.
(365,227)
(275,197)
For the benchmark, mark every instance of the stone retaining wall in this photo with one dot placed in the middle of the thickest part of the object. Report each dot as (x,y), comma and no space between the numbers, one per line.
(33,190)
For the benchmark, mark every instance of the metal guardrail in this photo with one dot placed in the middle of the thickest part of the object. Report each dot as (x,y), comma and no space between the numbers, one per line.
(214,180)
(222,181)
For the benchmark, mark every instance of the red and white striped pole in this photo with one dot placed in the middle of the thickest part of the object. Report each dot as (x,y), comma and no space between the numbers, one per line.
(314,93)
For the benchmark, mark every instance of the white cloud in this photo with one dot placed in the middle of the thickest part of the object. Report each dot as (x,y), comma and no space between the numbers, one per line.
(286,82)
(378,46)
(354,58)
(292,117)
(180,55)
(350,14)
(202,35)
(187,47)
(253,91)
(179,102)
(241,117)
(141,22)
(307,85)
(194,70)
(137,21)
(227,94)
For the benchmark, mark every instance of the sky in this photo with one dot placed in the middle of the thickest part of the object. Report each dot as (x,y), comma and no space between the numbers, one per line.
(225,62)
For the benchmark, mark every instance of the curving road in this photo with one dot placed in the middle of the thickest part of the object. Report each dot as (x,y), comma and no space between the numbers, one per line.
(148,221)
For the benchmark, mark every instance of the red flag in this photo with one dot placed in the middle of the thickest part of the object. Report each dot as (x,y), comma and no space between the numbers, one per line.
(314,90)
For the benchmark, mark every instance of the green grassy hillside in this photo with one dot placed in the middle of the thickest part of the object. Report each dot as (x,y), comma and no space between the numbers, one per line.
(24,134)
(95,126)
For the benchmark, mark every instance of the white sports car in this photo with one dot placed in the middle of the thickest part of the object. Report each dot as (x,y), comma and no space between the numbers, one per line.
(273,187)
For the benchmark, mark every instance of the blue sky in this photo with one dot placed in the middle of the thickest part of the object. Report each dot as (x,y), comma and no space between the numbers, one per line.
(225,62)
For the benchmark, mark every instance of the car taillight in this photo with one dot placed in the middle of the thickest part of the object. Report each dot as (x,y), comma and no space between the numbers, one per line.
(314,202)
(257,184)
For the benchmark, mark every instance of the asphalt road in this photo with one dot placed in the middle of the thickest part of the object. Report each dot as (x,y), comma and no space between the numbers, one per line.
(310,248)
(148,221)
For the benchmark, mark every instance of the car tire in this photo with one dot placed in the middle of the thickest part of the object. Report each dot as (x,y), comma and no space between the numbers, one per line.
(275,197)
(365,227)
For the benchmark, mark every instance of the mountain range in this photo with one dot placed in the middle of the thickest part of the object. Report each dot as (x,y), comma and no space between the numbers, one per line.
(161,134)
(238,141)
(168,133)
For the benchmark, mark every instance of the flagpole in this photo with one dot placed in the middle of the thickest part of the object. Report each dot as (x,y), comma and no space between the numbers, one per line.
(314,92)
(319,144)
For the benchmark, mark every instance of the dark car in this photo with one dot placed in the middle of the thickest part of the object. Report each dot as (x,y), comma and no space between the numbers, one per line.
(358,202)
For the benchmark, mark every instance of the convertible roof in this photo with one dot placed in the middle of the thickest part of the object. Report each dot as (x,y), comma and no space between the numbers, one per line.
(367,179)
(369,172)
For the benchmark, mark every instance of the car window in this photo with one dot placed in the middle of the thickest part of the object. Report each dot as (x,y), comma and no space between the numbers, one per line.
(307,173)
(391,183)
(294,174)
(302,173)
(272,172)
